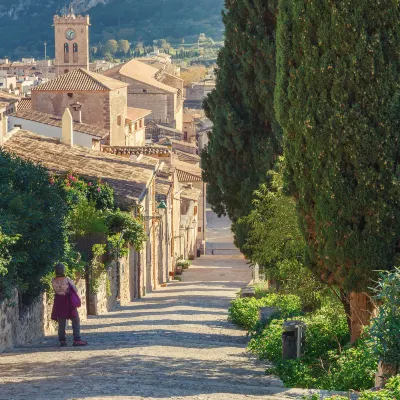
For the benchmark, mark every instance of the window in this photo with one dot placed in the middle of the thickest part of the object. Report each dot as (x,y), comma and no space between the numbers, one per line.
(195,210)
(75,49)
(144,90)
(140,123)
(136,126)
(119,120)
(199,229)
(66,53)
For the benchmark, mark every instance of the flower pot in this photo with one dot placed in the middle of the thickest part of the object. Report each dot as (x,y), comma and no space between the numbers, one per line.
(178,270)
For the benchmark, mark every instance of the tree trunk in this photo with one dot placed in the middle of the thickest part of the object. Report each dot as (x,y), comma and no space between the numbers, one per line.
(344,298)
(385,371)
(362,309)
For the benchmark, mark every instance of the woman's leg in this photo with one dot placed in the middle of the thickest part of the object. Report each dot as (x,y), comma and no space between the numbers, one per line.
(76,328)
(61,329)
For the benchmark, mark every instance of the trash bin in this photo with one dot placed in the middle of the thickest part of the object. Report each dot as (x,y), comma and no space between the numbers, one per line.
(293,339)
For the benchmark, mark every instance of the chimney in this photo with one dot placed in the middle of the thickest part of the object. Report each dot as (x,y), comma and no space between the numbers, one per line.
(67,135)
(77,112)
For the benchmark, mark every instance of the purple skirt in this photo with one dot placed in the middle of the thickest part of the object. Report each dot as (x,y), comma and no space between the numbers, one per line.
(62,308)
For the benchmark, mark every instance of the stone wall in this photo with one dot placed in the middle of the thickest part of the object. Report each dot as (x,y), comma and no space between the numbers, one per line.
(19,327)
(95,105)
(117,115)
(105,298)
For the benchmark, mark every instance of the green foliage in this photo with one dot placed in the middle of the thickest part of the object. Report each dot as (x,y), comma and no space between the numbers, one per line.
(386,326)
(391,392)
(84,219)
(245,136)
(5,256)
(33,210)
(77,188)
(328,362)
(337,101)
(274,241)
(183,263)
(96,268)
(244,311)
(125,230)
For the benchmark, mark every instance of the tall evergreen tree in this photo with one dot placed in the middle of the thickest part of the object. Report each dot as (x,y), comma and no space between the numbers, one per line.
(245,137)
(337,102)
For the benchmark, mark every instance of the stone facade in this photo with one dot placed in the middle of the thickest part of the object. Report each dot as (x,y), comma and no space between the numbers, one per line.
(117,114)
(103,109)
(21,327)
(105,298)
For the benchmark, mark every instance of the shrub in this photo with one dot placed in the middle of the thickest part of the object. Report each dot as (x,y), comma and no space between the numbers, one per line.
(267,344)
(77,188)
(34,210)
(353,369)
(244,311)
(386,326)
(391,392)
(328,362)
(84,219)
(125,230)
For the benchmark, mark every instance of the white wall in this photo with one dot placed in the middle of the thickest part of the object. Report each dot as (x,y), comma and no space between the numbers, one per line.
(80,139)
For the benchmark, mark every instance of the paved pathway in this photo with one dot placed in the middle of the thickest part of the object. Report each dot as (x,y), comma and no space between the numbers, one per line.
(175,343)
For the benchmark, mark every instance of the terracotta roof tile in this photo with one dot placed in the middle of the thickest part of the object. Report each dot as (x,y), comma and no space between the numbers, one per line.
(184,176)
(81,80)
(129,179)
(136,113)
(8,98)
(54,120)
(141,72)
(136,150)
(162,189)
(187,157)
(190,193)
(25,104)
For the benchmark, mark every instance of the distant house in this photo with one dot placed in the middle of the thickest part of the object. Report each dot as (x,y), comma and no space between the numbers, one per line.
(153,89)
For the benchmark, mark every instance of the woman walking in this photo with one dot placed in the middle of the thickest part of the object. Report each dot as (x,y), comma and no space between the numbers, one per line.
(62,307)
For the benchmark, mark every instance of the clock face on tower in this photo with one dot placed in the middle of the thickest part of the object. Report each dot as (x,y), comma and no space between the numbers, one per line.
(70,34)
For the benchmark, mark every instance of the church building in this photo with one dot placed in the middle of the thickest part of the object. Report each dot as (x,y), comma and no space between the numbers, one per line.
(71,42)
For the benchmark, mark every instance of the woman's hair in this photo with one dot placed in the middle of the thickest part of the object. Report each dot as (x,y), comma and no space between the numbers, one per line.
(60,270)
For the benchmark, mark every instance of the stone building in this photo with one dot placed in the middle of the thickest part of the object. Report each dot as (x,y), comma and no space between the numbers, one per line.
(190,174)
(93,99)
(135,126)
(189,126)
(152,89)
(8,104)
(71,42)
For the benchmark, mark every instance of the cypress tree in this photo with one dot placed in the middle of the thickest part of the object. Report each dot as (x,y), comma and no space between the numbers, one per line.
(245,137)
(337,101)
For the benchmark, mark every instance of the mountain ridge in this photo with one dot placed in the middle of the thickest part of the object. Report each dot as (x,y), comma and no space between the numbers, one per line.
(27,24)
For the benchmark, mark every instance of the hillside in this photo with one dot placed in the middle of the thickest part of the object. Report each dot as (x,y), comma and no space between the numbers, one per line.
(26,24)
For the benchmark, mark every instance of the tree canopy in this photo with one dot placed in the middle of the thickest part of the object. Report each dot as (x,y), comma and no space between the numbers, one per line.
(245,136)
(337,102)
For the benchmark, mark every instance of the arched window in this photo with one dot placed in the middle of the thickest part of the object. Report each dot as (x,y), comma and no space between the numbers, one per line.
(66,53)
(75,49)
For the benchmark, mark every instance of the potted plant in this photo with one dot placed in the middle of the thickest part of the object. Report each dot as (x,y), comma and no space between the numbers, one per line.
(385,328)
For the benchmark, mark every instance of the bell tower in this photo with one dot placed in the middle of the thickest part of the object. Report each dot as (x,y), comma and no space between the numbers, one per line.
(71,41)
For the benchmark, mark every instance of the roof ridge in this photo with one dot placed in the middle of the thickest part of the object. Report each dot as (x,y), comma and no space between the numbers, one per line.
(89,73)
